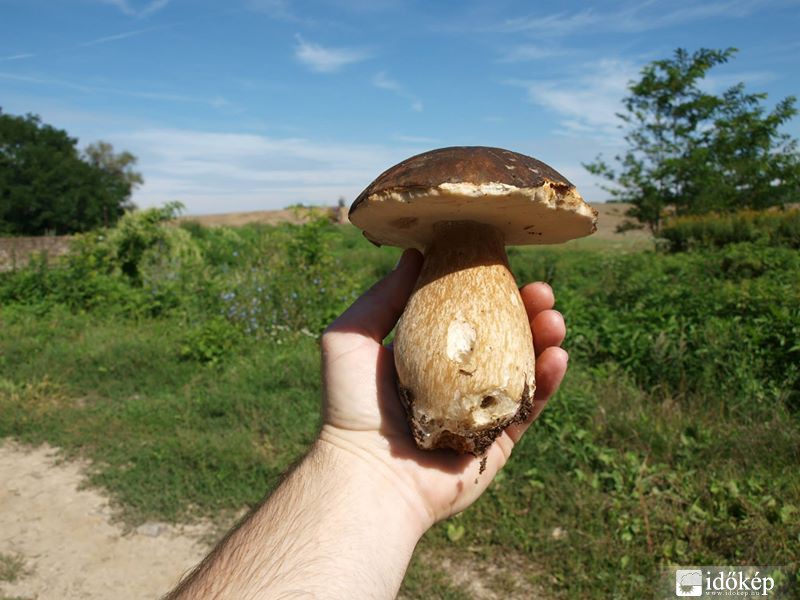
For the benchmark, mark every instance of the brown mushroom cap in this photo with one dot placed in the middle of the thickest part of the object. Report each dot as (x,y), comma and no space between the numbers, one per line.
(528,201)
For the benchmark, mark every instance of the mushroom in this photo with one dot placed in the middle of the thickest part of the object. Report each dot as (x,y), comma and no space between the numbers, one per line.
(463,348)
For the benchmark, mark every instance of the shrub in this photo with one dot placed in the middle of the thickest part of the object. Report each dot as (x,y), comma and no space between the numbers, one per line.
(210,342)
(292,282)
(773,228)
(721,323)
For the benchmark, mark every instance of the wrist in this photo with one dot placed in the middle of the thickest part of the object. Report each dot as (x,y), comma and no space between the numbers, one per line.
(356,455)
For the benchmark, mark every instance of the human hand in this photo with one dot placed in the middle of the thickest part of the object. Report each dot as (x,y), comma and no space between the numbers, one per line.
(363,416)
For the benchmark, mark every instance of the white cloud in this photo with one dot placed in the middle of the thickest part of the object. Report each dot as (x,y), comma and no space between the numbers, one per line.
(416,140)
(716,83)
(216,101)
(327,60)
(528,52)
(16,57)
(153,7)
(368,6)
(116,36)
(552,25)
(589,102)
(382,81)
(219,172)
(275,9)
(126,8)
(631,18)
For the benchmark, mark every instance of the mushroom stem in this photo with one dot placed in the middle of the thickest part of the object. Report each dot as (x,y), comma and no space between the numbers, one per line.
(463,348)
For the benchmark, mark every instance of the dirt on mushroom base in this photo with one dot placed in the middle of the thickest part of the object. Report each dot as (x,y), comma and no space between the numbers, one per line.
(69,545)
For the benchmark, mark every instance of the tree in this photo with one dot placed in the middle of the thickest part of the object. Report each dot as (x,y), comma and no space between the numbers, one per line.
(692,152)
(46,185)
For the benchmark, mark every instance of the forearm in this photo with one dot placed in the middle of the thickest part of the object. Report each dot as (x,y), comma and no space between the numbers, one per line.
(335,528)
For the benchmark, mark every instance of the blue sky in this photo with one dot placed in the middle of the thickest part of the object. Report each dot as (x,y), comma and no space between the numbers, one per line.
(258,104)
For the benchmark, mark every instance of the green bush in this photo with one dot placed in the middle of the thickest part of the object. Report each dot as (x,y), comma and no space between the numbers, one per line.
(724,324)
(291,282)
(210,342)
(264,280)
(773,228)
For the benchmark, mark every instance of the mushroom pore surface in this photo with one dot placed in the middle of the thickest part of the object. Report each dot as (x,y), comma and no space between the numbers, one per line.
(463,347)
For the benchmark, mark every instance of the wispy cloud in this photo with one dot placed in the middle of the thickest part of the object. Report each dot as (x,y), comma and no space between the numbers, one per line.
(16,57)
(384,82)
(211,172)
(153,7)
(214,172)
(630,18)
(529,52)
(323,59)
(95,42)
(215,102)
(118,36)
(716,83)
(588,105)
(552,25)
(368,6)
(126,8)
(416,140)
(277,9)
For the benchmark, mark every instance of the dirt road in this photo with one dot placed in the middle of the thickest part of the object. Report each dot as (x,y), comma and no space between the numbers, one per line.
(68,543)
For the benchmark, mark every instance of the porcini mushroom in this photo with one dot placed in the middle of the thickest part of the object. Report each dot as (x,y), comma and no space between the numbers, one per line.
(463,348)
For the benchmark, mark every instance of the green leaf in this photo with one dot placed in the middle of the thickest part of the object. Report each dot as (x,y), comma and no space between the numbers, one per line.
(786,512)
(455,532)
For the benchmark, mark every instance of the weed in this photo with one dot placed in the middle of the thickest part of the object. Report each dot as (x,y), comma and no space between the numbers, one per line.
(12,567)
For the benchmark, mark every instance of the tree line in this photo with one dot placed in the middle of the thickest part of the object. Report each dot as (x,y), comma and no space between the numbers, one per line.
(47,185)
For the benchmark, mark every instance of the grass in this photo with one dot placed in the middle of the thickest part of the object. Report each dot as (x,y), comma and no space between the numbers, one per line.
(168,437)
(12,567)
(670,442)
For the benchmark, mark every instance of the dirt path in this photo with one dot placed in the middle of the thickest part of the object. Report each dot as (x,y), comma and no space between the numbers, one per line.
(68,543)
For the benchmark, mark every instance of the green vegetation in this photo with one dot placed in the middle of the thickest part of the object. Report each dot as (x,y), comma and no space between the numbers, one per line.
(183,362)
(696,152)
(48,186)
(12,567)
(777,228)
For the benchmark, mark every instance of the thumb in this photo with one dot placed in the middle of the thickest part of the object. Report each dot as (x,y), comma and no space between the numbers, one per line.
(376,312)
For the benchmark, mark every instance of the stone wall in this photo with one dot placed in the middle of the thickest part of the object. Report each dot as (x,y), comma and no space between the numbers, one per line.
(15,252)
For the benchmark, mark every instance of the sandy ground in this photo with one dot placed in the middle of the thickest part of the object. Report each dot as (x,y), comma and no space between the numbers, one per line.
(72,550)
(609,216)
(264,217)
(67,539)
